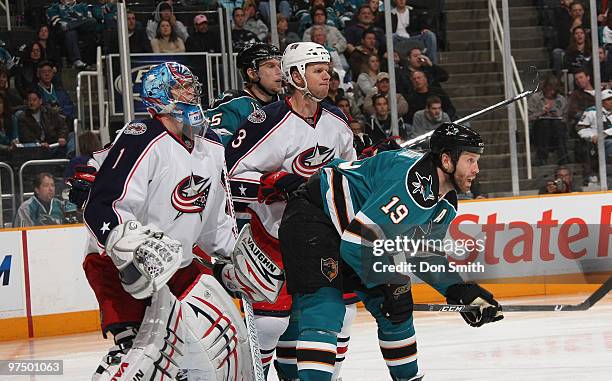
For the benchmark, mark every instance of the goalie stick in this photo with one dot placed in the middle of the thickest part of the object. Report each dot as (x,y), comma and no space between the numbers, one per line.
(531,78)
(249,315)
(585,305)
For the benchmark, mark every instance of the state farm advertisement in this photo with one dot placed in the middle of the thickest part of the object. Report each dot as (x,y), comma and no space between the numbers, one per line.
(531,237)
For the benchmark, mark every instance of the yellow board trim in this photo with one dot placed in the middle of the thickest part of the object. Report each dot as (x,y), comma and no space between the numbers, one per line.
(50,325)
(14,328)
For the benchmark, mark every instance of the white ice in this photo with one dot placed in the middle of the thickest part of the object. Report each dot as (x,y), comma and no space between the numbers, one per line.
(555,346)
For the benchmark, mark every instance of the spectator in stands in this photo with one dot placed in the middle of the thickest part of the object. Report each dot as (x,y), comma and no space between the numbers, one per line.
(562,182)
(320,37)
(13,99)
(367,79)
(382,87)
(105,13)
(26,74)
(306,19)
(349,106)
(36,14)
(360,55)
(607,31)
(408,30)
(418,99)
(203,39)
(53,95)
(587,127)
(335,92)
(75,23)
(581,98)
(89,142)
(578,16)
(354,34)
(239,34)
(546,111)
(230,5)
(335,39)
(380,122)
(418,61)
(605,67)
(139,42)
(282,6)
(8,137)
(578,54)
(563,20)
(43,208)
(164,11)
(284,36)
(429,118)
(49,48)
(41,124)
(361,140)
(403,84)
(252,23)
(166,40)
(344,105)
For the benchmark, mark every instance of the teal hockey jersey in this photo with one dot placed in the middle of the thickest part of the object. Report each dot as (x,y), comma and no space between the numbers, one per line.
(230,109)
(385,197)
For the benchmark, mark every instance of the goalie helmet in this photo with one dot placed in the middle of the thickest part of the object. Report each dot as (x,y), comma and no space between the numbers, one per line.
(300,54)
(252,54)
(156,94)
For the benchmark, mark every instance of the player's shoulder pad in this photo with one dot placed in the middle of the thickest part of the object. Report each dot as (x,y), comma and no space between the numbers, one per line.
(257,125)
(139,132)
(228,96)
(422,183)
(212,136)
(333,109)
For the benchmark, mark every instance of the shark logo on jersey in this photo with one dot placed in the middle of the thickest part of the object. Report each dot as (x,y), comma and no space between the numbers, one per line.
(309,161)
(190,195)
(423,186)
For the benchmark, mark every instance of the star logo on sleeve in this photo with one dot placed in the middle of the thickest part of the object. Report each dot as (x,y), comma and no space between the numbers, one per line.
(242,190)
(105,227)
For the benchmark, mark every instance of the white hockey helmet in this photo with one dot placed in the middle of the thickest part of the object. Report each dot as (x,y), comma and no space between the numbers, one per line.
(300,54)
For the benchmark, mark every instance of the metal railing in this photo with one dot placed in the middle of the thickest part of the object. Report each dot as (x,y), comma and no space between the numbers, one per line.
(5,5)
(10,196)
(87,119)
(35,163)
(496,35)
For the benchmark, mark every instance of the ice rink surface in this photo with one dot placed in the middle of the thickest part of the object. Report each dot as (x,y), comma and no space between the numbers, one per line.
(554,346)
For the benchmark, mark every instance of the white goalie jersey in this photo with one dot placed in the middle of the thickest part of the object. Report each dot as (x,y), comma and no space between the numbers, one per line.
(276,138)
(152,176)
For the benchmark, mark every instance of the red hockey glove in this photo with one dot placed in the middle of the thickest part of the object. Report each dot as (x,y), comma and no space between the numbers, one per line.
(383,145)
(276,186)
(80,184)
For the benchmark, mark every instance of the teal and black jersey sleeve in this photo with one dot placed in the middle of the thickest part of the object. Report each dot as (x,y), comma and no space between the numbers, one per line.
(228,112)
(386,197)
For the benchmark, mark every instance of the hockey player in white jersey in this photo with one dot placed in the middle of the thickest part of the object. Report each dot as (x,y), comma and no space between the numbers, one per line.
(270,155)
(159,191)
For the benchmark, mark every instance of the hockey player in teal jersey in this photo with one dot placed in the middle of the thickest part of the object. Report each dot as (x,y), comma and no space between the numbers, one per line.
(330,228)
(259,65)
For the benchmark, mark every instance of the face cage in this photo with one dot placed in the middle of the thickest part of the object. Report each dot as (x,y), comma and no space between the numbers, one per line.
(196,90)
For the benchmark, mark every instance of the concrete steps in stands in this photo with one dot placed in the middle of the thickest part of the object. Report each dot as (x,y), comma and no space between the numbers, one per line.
(452,5)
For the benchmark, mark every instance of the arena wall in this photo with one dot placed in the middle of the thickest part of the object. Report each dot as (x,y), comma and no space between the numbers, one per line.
(43,290)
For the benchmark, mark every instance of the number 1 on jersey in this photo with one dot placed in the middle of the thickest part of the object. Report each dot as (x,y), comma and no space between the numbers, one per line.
(399,212)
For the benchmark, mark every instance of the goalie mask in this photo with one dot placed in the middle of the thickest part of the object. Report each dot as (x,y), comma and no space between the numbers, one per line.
(171,88)
(298,55)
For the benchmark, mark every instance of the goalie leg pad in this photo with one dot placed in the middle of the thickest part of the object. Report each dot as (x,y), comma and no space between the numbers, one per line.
(216,338)
(158,348)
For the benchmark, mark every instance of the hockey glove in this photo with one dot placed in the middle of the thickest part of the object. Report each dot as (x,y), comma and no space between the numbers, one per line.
(397,305)
(80,184)
(276,186)
(387,144)
(470,293)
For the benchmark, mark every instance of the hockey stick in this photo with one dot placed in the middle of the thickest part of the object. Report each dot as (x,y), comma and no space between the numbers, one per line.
(533,83)
(249,315)
(585,305)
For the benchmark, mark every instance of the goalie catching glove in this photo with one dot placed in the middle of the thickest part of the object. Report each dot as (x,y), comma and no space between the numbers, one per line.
(145,256)
(276,186)
(470,293)
(251,272)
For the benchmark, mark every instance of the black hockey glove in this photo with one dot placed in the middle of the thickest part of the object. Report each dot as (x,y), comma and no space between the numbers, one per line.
(276,186)
(387,144)
(80,184)
(397,306)
(471,293)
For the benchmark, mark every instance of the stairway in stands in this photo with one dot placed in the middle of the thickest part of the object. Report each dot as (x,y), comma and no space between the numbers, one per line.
(476,82)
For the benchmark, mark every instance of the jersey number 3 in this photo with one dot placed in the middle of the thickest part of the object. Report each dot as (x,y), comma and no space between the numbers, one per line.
(396,213)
